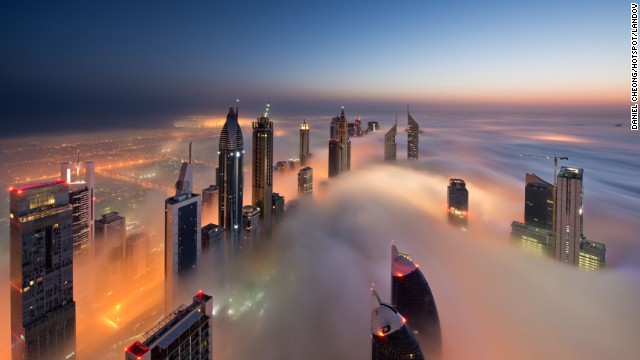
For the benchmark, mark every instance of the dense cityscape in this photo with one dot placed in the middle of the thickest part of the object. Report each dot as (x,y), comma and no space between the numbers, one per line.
(330,229)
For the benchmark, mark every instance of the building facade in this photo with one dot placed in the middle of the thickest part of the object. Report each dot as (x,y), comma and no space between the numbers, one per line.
(390,145)
(250,227)
(592,255)
(305,181)
(568,214)
(391,338)
(413,138)
(43,320)
(304,143)
(340,149)
(210,202)
(110,250)
(538,202)
(262,179)
(80,177)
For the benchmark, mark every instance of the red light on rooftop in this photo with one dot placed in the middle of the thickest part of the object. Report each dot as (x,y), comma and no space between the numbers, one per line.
(380,333)
(399,274)
(404,321)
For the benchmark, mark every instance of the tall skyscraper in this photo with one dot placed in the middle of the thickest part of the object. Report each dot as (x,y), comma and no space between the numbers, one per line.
(212,238)
(568,215)
(391,338)
(277,207)
(592,255)
(262,177)
(390,142)
(250,227)
(333,130)
(183,334)
(305,181)
(340,151)
(80,177)
(413,138)
(210,203)
(412,296)
(229,177)
(137,251)
(110,248)
(458,203)
(43,320)
(182,242)
(538,202)
(304,143)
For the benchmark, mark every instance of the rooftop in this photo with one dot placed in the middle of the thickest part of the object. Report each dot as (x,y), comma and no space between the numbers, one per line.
(570,173)
(27,187)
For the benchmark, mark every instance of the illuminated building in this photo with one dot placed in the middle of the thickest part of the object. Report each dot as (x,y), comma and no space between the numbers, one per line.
(304,143)
(182,242)
(413,138)
(538,202)
(391,338)
(568,215)
(390,143)
(43,320)
(262,176)
(183,334)
(533,240)
(80,177)
(229,177)
(110,250)
(277,208)
(136,254)
(412,297)
(250,227)
(293,164)
(458,203)
(340,151)
(305,181)
(212,237)
(210,204)
(592,255)
(372,126)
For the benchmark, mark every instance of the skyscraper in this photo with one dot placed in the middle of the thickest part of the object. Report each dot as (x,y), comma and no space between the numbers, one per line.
(340,150)
(229,177)
(333,130)
(137,250)
(183,334)
(592,255)
(43,320)
(262,177)
(250,227)
(412,296)
(110,248)
(391,338)
(182,242)
(277,207)
(390,142)
(80,177)
(210,203)
(413,138)
(538,202)
(568,215)
(305,181)
(304,143)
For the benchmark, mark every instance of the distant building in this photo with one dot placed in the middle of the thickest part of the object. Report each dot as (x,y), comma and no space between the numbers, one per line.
(458,203)
(373,126)
(538,202)
(340,151)
(210,202)
(43,320)
(569,215)
(293,164)
(137,251)
(80,177)
(533,240)
(277,208)
(212,237)
(262,175)
(304,143)
(334,157)
(412,297)
(305,181)
(333,132)
(229,178)
(110,249)
(250,227)
(592,255)
(390,145)
(183,334)
(391,338)
(413,138)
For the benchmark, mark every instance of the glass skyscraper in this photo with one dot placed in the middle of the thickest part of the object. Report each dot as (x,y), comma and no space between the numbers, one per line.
(568,215)
(390,145)
(262,176)
(413,138)
(391,338)
(304,144)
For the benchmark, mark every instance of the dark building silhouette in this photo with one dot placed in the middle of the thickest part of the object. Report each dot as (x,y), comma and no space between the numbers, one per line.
(334,157)
(458,203)
(230,180)
(210,202)
(390,146)
(277,208)
(372,126)
(413,138)
(391,338)
(305,181)
(262,175)
(538,202)
(43,320)
(183,334)
(304,144)
(412,297)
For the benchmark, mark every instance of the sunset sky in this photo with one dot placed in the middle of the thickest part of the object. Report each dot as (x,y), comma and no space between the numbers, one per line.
(91,65)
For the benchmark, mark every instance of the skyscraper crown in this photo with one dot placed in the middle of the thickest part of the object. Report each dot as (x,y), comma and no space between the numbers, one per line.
(231,135)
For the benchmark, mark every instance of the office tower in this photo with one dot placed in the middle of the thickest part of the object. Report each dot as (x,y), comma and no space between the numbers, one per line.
(304,143)
(391,338)
(334,157)
(210,204)
(262,176)
(305,181)
(137,250)
(110,251)
(183,334)
(373,126)
(333,131)
(568,215)
(412,297)
(43,321)
(212,237)
(230,179)
(340,151)
(351,129)
(538,202)
(277,209)
(80,177)
(293,164)
(592,255)
(358,126)
(457,203)
(413,138)
(533,240)
(390,142)
(250,227)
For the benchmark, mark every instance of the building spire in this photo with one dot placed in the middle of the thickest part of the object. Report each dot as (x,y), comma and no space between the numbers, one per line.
(237,108)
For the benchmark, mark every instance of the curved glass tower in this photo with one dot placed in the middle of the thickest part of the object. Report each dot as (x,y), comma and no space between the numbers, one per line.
(412,297)
(391,338)
(229,179)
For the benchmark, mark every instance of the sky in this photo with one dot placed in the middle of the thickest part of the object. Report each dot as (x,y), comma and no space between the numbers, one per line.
(87,66)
